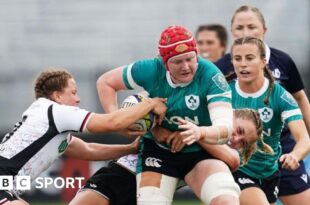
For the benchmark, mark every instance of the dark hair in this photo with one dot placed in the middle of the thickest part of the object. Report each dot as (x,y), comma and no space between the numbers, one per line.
(48,81)
(261,46)
(218,29)
(250,8)
(253,116)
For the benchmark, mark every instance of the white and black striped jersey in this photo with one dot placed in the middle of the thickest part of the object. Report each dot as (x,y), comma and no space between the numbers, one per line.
(38,140)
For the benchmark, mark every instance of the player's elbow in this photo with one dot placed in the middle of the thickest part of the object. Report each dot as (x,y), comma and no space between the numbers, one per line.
(234,162)
(307,144)
(101,81)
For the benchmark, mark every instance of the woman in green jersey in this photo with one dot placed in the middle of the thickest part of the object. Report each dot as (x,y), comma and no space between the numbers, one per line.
(195,90)
(255,88)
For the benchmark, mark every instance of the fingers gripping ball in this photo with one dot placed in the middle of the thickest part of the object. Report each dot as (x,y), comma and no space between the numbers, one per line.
(148,121)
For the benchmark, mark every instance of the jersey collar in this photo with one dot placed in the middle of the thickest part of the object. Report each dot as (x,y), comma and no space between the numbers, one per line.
(174,85)
(257,94)
(267,52)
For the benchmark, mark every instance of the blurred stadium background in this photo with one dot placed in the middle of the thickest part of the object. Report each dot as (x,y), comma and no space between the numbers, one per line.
(91,37)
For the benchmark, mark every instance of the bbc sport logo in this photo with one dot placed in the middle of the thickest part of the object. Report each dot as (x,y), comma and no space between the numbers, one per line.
(24,182)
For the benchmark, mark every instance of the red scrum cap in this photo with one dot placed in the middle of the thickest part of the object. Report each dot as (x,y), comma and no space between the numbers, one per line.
(175,40)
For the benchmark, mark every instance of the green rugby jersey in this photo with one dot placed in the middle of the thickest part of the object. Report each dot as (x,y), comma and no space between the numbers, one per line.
(188,101)
(282,109)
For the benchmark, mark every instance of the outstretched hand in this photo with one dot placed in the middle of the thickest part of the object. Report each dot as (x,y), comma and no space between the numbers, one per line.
(174,139)
(134,146)
(131,133)
(191,133)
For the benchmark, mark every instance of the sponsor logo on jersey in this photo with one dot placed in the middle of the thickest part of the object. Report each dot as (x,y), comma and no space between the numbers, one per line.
(63,146)
(276,73)
(266,114)
(93,185)
(267,133)
(152,162)
(289,98)
(174,119)
(192,101)
(220,82)
(245,181)
(276,191)
(304,177)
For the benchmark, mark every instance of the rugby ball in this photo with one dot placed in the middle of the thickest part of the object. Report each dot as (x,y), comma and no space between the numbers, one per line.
(147,122)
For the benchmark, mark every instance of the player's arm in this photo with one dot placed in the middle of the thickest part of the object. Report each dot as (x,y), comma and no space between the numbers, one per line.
(122,118)
(225,153)
(95,152)
(304,106)
(219,132)
(222,152)
(302,147)
(107,86)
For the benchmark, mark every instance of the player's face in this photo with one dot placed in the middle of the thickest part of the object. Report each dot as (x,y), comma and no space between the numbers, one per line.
(209,45)
(69,96)
(248,64)
(183,67)
(244,133)
(246,24)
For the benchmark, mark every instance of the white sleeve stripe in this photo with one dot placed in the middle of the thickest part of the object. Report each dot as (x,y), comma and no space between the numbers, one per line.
(131,81)
(226,94)
(290,113)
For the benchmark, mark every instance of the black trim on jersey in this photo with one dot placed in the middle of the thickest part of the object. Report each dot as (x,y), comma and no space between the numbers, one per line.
(84,121)
(13,165)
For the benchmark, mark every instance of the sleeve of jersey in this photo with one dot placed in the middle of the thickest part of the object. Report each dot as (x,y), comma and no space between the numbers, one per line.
(289,107)
(294,83)
(218,89)
(70,118)
(140,74)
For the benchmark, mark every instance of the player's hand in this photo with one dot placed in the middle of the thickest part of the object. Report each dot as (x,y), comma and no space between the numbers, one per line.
(131,133)
(176,142)
(160,108)
(289,161)
(191,133)
(160,134)
(134,146)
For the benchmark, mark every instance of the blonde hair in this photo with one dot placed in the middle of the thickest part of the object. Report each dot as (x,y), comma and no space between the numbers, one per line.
(255,10)
(253,116)
(50,80)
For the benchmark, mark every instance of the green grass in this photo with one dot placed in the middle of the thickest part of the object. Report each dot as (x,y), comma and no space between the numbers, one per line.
(189,202)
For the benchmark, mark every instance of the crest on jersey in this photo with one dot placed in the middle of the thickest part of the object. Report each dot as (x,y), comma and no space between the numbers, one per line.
(63,146)
(289,98)
(192,101)
(265,114)
(220,82)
